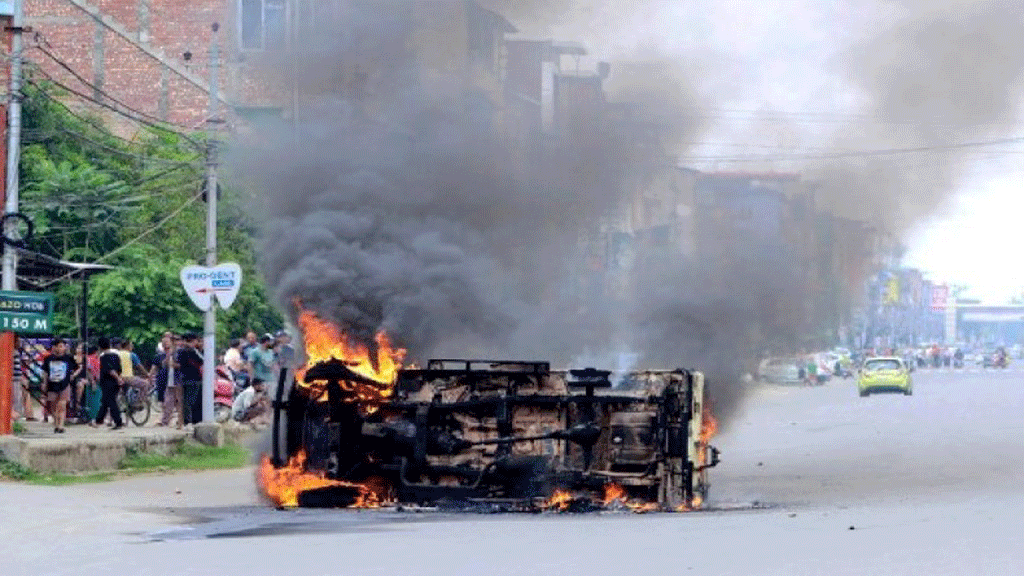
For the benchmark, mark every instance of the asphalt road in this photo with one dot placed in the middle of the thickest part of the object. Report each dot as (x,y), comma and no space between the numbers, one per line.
(813,481)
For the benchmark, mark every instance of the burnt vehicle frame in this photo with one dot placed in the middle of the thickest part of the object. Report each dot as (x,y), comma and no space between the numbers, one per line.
(498,431)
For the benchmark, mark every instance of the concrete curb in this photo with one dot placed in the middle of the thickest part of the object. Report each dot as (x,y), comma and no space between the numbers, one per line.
(73,455)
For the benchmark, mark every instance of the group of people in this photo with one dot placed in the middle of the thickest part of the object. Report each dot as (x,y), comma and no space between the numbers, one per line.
(254,363)
(61,373)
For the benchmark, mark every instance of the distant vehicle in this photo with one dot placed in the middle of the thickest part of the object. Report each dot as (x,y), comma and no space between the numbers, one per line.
(995,359)
(840,365)
(780,371)
(884,374)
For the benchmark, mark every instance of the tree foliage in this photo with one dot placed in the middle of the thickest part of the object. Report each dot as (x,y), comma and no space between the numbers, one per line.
(133,203)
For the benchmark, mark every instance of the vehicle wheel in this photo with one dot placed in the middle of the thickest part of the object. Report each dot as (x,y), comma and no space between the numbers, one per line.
(908,393)
(864,393)
(221,414)
(137,408)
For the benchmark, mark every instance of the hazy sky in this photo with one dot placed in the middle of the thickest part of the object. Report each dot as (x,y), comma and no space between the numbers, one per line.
(770,73)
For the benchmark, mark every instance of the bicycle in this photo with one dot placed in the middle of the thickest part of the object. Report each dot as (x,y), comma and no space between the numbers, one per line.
(135,405)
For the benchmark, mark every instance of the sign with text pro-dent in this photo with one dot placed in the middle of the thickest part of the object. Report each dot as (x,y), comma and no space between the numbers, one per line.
(204,283)
(26,312)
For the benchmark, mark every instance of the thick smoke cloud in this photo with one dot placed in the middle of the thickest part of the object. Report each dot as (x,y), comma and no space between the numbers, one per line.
(393,204)
(932,75)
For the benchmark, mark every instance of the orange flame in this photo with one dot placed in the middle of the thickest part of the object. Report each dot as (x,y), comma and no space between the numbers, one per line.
(325,341)
(283,485)
(708,426)
(615,493)
(708,429)
(560,501)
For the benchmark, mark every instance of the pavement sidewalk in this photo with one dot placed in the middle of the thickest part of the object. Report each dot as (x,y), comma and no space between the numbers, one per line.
(82,448)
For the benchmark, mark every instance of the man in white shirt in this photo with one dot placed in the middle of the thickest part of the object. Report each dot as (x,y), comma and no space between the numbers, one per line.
(251,403)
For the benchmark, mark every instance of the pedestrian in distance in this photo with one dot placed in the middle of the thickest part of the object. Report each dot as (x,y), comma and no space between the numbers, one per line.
(251,343)
(132,368)
(79,381)
(58,369)
(110,383)
(168,390)
(235,362)
(20,382)
(189,361)
(262,360)
(284,350)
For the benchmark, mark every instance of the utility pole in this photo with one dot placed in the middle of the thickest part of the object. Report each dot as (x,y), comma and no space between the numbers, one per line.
(9,265)
(210,318)
(10,259)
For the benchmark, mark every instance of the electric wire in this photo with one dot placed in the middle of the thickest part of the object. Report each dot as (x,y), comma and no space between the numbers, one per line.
(117,110)
(860,153)
(191,200)
(60,62)
(83,137)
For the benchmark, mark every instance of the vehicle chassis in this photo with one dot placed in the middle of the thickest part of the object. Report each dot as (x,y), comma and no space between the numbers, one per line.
(497,431)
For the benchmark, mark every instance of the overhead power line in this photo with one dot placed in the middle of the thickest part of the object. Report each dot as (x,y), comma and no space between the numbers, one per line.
(98,126)
(115,109)
(163,221)
(860,153)
(60,62)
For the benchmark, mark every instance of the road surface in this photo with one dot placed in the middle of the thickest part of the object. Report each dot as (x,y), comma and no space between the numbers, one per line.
(813,481)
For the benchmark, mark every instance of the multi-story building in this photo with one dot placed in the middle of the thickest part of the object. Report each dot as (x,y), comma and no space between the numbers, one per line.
(153,56)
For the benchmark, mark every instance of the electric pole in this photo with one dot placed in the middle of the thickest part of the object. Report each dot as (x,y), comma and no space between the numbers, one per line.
(9,267)
(210,318)
(10,258)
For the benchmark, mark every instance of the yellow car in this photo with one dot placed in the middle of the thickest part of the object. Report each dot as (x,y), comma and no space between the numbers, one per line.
(884,374)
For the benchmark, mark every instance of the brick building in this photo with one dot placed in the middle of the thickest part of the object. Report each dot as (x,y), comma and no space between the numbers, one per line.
(154,55)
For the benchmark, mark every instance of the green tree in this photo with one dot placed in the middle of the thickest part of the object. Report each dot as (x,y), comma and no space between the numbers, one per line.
(134,204)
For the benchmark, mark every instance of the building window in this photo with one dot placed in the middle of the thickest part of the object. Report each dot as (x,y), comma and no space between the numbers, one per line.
(262,24)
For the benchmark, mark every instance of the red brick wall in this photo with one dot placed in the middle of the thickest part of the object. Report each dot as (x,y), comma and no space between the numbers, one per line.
(132,76)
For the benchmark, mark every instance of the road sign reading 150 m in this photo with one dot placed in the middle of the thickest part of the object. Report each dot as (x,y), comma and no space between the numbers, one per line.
(26,312)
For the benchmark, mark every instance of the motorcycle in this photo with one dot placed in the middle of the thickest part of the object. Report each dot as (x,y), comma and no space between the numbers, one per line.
(223,394)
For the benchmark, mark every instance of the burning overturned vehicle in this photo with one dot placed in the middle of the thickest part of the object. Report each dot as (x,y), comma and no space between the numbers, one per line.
(351,432)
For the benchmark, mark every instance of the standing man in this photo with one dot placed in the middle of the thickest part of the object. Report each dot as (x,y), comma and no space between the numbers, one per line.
(163,365)
(285,350)
(58,368)
(236,363)
(249,345)
(262,360)
(189,363)
(110,383)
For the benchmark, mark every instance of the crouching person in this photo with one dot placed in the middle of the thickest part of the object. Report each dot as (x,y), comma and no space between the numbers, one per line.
(252,406)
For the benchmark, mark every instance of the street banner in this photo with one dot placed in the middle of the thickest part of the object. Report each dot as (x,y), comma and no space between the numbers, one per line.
(205,284)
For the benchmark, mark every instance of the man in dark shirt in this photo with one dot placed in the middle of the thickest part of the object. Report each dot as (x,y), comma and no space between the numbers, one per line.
(110,383)
(58,368)
(190,364)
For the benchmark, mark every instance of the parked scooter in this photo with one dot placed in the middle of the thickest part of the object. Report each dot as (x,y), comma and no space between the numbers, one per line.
(223,394)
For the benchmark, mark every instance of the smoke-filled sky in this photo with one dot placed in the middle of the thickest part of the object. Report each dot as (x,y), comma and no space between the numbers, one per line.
(388,212)
(790,81)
